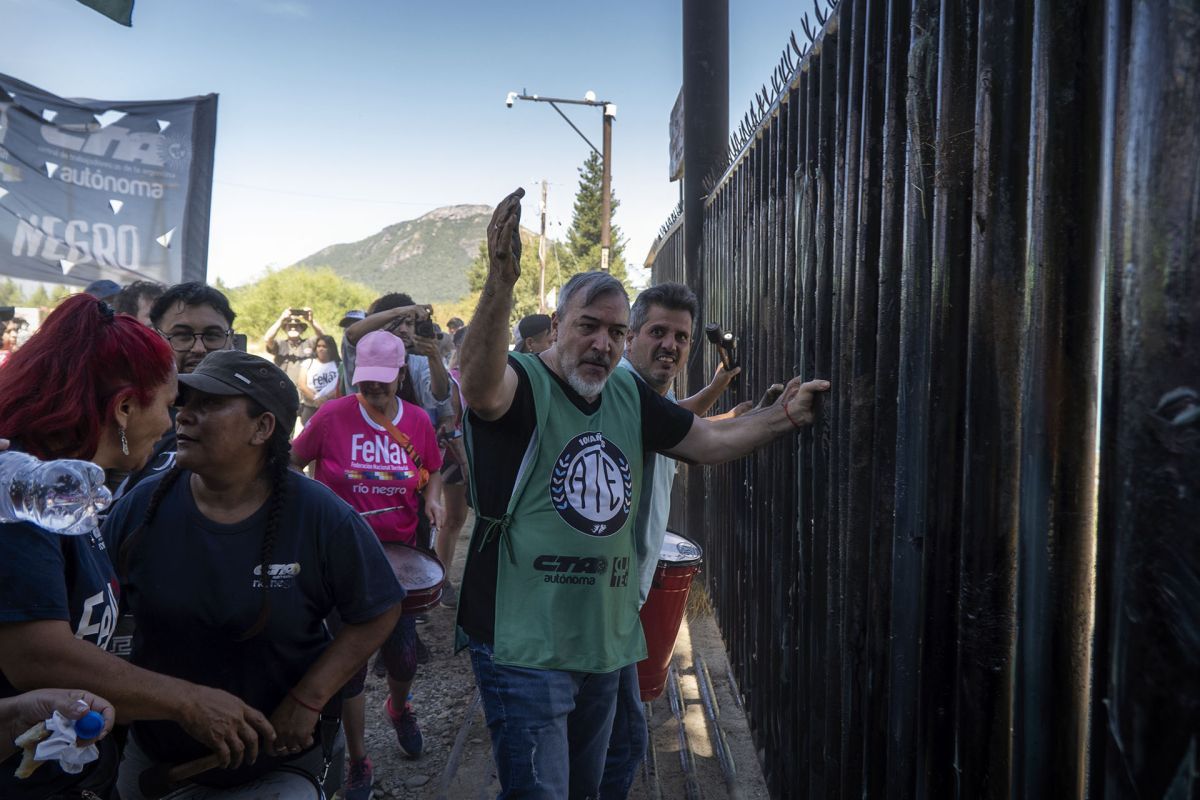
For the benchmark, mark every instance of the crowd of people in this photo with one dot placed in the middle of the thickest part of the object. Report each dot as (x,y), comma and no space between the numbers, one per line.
(256,596)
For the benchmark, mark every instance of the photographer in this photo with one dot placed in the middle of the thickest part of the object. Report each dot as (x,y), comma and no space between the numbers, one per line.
(428,383)
(292,352)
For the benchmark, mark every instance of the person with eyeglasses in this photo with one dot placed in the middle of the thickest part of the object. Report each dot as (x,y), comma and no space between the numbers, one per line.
(196,320)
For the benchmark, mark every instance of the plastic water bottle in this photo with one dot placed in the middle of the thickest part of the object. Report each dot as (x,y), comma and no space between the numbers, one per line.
(64,496)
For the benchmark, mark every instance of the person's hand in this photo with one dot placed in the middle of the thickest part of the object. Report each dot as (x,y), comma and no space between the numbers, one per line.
(722,377)
(741,408)
(504,239)
(799,399)
(308,313)
(21,712)
(227,726)
(294,725)
(435,511)
(425,346)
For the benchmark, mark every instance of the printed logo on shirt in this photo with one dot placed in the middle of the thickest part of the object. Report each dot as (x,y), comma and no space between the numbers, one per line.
(578,570)
(99,617)
(378,451)
(620,573)
(592,486)
(283,576)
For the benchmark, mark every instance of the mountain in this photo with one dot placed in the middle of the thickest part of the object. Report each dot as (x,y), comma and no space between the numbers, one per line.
(426,257)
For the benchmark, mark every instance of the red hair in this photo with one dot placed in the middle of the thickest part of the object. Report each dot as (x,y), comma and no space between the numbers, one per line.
(58,390)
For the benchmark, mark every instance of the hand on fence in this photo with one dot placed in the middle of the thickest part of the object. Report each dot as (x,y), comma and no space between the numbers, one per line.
(799,399)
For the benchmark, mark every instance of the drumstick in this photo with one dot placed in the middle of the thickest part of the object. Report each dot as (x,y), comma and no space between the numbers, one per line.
(161,779)
(379,511)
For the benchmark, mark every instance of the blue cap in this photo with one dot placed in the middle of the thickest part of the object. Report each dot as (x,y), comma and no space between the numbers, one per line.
(102,289)
(89,725)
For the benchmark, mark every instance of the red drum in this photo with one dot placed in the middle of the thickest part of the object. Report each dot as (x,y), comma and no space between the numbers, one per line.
(662,614)
(420,573)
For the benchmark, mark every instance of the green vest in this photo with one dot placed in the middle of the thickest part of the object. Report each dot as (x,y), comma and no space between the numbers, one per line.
(567,578)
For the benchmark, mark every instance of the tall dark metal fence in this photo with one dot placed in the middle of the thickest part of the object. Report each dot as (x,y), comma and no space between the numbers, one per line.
(978,574)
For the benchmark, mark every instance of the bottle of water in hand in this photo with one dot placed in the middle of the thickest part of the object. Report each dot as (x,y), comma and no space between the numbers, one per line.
(64,496)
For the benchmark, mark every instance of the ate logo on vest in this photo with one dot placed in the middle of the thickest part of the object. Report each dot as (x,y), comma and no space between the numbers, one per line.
(592,486)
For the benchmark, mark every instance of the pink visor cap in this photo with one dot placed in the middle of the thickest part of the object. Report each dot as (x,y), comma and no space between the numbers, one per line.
(378,358)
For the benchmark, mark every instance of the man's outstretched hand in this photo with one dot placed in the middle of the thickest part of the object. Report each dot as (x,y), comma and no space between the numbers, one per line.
(504,239)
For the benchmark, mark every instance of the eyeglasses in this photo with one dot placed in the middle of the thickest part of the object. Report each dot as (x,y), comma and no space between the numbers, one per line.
(182,341)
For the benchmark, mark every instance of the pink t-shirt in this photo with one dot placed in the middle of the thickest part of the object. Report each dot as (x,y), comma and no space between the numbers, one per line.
(366,467)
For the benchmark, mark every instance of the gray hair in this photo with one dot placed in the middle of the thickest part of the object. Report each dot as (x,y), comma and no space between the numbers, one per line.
(590,286)
(671,296)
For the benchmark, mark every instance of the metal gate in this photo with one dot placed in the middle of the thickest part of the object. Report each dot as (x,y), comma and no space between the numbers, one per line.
(978,575)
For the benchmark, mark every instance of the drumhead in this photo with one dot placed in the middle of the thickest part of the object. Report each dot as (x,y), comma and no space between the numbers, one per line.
(415,569)
(285,782)
(677,549)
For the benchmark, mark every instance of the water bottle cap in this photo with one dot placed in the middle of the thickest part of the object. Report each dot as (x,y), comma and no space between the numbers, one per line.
(90,725)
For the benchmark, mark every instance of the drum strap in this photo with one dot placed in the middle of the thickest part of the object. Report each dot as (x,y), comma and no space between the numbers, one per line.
(327,730)
(401,439)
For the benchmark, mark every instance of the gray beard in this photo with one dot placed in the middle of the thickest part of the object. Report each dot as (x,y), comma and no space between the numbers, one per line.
(578,383)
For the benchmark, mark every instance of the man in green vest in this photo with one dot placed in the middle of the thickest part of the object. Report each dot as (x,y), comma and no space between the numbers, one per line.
(556,442)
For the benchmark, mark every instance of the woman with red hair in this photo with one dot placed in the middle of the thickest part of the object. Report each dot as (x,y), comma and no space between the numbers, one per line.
(97,386)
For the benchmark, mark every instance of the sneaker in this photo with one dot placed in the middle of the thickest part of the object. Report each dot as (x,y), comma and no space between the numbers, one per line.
(359,781)
(422,652)
(408,733)
(449,595)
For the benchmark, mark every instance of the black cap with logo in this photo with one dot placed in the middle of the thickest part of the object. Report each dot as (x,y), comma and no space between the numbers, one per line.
(232,372)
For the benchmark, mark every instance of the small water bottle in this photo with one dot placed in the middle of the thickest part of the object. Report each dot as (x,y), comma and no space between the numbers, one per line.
(64,496)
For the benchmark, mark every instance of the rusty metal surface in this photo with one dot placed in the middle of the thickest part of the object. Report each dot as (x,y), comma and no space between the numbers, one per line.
(978,574)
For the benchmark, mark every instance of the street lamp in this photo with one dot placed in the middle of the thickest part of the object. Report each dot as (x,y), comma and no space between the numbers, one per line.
(610,113)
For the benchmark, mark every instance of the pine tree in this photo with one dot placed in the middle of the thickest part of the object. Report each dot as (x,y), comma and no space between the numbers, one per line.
(583,239)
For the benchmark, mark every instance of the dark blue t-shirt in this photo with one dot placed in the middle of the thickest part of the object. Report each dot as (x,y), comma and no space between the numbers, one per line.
(194,588)
(44,576)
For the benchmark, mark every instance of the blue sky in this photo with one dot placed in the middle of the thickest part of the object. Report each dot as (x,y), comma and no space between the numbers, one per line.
(336,119)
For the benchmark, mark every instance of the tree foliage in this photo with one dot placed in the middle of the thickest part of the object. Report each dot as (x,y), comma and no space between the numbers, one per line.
(583,238)
(525,292)
(329,295)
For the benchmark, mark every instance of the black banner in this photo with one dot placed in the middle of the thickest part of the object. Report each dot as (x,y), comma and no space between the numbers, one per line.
(104,189)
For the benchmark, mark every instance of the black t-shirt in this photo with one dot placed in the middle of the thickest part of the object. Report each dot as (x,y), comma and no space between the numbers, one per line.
(498,448)
(44,576)
(194,587)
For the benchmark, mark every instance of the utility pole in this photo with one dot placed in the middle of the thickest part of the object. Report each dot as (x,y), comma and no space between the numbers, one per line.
(542,255)
(610,113)
(606,188)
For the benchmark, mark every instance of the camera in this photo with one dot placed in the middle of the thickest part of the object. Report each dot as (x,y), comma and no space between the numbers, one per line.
(426,330)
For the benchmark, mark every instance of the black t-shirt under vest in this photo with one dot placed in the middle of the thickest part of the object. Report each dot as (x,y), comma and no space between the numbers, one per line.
(499,447)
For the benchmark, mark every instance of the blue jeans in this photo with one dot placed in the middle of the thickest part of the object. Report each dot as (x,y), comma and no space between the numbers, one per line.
(627,745)
(550,728)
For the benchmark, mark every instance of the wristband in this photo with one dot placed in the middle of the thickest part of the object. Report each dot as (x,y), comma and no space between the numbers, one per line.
(789,417)
(292,695)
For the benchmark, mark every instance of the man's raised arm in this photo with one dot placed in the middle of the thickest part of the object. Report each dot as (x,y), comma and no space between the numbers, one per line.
(488,384)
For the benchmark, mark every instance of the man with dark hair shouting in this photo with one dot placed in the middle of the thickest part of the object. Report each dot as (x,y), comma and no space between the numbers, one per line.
(550,595)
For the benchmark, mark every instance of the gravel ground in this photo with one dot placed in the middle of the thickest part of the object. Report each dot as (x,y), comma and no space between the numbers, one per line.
(444,700)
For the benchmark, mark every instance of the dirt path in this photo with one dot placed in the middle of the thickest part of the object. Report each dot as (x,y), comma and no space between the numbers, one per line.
(444,699)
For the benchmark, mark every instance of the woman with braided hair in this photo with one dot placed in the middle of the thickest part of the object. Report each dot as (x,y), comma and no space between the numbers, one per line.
(379,453)
(231,562)
(96,386)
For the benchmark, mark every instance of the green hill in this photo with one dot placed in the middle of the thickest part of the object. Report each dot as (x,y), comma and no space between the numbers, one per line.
(426,257)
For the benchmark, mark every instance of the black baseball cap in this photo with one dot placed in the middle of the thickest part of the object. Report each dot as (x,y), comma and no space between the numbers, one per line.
(232,372)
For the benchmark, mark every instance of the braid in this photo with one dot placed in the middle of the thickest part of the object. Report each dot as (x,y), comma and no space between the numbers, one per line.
(277,467)
(160,491)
